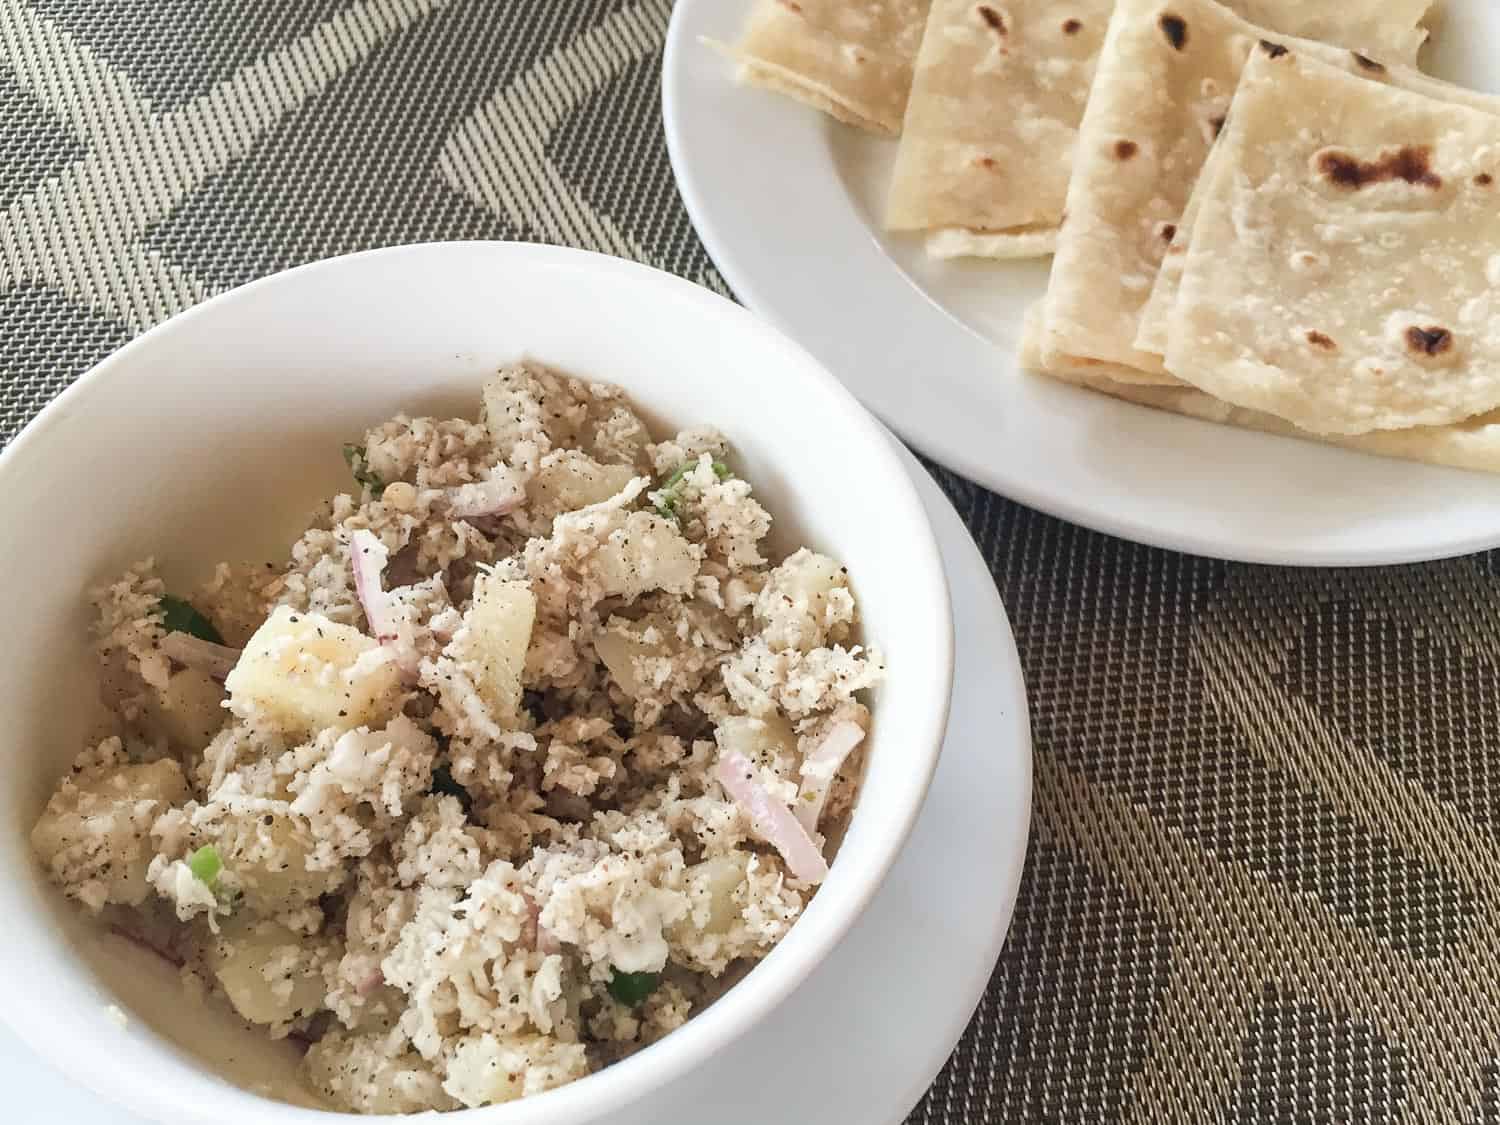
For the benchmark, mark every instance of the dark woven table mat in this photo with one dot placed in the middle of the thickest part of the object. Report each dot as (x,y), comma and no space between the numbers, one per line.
(1266,800)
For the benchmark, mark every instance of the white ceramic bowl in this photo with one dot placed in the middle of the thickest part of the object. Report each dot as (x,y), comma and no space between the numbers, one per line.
(214,435)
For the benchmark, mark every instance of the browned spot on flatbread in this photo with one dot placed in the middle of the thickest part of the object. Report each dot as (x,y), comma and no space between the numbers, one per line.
(1321,340)
(1175,29)
(1216,122)
(992,17)
(1274,50)
(1168,231)
(1124,150)
(1072,27)
(1431,340)
(1367,63)
(791,6)
(1484,179)
(988,163)
(1411,164)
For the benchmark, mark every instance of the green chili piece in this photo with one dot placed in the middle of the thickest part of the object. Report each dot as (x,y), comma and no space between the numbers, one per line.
(631,989)
(669,496)
(444,785)
(177,616)
(205,864)
(354,457)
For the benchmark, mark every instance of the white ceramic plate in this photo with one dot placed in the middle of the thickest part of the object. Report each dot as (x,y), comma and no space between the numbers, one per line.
(833,1045)
(787,203)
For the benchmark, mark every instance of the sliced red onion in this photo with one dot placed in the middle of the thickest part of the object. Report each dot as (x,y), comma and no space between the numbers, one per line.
(536,936)
(533,920)
(501,494)
(216,660)
(546,940)
(821,766)
(367,557)
(772,819)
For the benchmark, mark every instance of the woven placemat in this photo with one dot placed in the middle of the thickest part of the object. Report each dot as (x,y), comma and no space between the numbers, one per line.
(1266,800)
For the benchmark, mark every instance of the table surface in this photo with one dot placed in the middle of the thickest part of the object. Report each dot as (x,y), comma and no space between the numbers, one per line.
(1266,800)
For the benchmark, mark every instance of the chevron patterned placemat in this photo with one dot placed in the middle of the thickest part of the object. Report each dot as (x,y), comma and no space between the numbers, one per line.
(1267,801)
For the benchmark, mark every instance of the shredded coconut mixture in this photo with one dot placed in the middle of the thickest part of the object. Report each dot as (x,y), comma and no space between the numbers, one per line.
(525,754)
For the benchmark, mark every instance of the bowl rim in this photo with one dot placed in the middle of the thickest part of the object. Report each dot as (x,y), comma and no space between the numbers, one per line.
(785,967)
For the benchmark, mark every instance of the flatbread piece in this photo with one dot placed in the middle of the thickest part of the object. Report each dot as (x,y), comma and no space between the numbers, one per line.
(849,58)
(1341,268)
(1155,318)
(1389,30)
(987,145)
(1167,73)
(1471,444)
(999,92)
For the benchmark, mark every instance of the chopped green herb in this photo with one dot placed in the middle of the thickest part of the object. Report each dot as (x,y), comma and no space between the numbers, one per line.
(354,457)
(669,496)
(177,616)
(205,864)
(631,989)
(444,785)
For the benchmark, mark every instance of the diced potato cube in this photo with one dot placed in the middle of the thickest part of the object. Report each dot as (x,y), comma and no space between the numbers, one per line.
(94,836)
(512,410)
(623,646)
(494,639)
(304,673)
(811,576)
(648,553)
(187,711)
(575,481)
(765,741)
(269,862)
(719,877)
(806,603)
(663,656)
(269,973)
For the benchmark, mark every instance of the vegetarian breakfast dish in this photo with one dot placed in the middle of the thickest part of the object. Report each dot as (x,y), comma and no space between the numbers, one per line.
(525,754)
(1260,213)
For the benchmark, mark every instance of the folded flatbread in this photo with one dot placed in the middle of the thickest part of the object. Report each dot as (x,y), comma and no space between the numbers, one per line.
(850,58)
(1342,268)
(990,127)
(1156,317)
(1389,30)
(999,91)
(1166,75)
(1471,444)
(1073,369)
